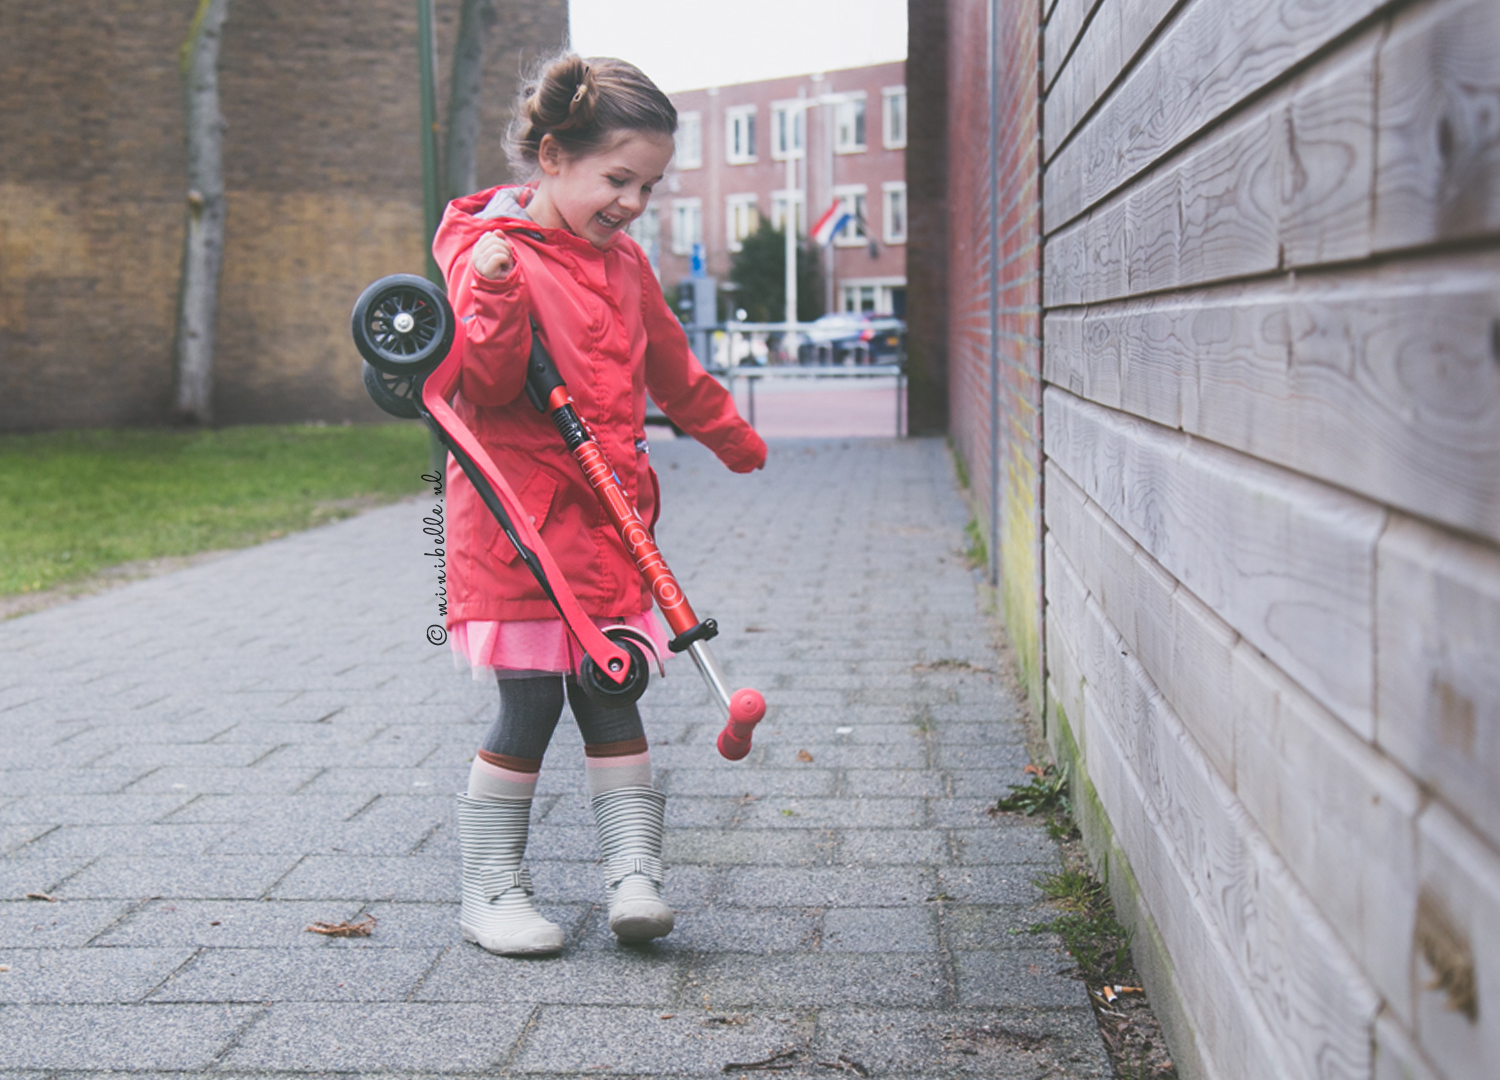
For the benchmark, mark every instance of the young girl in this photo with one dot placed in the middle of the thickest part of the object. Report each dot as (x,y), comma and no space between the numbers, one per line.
(597,136)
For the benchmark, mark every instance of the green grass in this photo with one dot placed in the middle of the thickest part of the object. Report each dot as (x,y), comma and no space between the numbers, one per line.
(1087,925)
(76,502)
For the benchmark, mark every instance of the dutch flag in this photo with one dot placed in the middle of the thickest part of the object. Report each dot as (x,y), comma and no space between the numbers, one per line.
(829,224)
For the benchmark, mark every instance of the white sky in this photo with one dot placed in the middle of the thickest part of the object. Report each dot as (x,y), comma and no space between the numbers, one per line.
(688,44)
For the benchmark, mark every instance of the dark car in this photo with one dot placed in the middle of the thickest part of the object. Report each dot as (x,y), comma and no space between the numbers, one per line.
(853,338)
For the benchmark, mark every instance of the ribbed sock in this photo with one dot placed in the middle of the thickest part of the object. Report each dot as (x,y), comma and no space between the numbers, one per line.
(498,776)
(616,765)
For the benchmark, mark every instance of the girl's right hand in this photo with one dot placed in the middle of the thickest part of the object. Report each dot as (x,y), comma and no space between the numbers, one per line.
(491,256)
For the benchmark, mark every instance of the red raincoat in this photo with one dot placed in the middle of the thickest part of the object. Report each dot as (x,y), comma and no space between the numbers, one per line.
(613,338)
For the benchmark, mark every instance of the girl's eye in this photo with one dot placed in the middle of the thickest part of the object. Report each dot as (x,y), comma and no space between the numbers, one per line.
(617,181)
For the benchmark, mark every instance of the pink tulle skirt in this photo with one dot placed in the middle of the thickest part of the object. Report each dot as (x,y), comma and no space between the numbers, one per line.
(535,646)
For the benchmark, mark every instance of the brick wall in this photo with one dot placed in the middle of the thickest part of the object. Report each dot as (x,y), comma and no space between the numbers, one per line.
(323,179)
(994,332)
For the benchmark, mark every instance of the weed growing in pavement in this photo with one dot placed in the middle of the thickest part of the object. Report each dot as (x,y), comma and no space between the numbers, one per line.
(1087,925)
(977,553)
(1046,793)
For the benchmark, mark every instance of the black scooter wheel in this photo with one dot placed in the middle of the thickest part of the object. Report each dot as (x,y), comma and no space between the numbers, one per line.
(395,394)
(605,691)
(403,325)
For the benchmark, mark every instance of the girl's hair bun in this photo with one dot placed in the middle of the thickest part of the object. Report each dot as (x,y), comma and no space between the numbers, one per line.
(581,103)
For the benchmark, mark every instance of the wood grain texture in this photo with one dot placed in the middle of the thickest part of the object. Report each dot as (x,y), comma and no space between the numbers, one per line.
(1438,682)
(1210,59)
(1286,562)
(1106,48)
(1383,381)
(1287,186)
(1460,878)
(1061,32)
(1396,1053)
(1439,125)
(1307,989)
(1230,1033)
(1335,809)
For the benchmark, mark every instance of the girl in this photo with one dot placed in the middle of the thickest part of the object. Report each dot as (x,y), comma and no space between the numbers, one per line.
(596,136)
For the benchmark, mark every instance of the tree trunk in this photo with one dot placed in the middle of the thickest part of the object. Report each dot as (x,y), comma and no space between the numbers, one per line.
(203,242)
(461,161)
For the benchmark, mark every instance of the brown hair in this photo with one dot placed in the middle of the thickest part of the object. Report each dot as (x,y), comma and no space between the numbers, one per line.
(581,103)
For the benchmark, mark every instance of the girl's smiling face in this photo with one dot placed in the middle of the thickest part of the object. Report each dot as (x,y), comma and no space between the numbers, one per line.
(598,195)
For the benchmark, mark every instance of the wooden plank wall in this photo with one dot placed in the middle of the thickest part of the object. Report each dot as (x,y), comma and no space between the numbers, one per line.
(1271,349)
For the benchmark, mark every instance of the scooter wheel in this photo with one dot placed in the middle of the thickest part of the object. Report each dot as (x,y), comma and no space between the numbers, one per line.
(395,394)
(604,690)
(403,325)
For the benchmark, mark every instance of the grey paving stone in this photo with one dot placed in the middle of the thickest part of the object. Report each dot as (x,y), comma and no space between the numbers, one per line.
(13,837)
(227,781)
(1006,1044)
(269,974)
(241,809)
(1006,842)
(1007,883)
(364,878)
(639,975)
(891,847)
(442,779)
(339,1038)
(1013,977)
(65,976)
(846,812)
(761,783)
(996,926)
(226,877)
(817,980)
(91,841)
(37,924)
(135,1038)
(21,876)
(315,837)
(90,781)
(720,929)
(745,847)
(635,1042)
(840,886)
(228,923)
(113,809)
(888,783)
(140,754)
(880,930)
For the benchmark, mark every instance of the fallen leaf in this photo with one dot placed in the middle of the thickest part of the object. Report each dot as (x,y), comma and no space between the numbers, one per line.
(803,755)
(345,929)
(1035,770)
(666,1016)
(41,896)
(214,923)
(3,969)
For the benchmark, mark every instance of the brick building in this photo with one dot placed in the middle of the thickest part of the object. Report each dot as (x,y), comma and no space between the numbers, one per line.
(845,131)
(323,177)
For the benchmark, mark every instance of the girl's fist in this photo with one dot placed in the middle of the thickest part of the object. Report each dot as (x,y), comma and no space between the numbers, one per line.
(491,257)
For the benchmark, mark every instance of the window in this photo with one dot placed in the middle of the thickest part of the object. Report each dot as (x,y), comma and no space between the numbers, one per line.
(779,201)
(849,125)
(646,231)
(687,225)
(875,296)
(739,128)
(689,140)
(741,218)
(852,201)
(894,114)
(787,130)
(894,197)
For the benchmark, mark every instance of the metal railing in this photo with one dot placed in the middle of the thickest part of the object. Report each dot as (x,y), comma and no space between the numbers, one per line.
(743,361)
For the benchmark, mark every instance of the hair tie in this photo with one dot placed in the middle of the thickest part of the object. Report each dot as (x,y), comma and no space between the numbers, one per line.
(578,94)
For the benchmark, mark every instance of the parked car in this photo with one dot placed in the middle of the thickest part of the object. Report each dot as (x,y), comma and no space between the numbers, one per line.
(853,338)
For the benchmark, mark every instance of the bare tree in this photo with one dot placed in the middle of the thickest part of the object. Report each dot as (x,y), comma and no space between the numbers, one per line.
(203,243)
(460,171)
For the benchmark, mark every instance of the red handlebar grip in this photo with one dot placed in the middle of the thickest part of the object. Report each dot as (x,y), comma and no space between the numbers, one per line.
(746,708)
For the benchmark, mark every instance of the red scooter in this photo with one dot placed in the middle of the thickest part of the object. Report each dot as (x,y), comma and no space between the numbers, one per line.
(404,328)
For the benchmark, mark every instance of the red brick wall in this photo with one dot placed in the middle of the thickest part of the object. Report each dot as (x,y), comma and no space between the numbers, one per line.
(323,177)
(1005,359)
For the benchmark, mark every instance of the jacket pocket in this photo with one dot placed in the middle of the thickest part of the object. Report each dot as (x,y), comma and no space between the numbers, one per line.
(536,500)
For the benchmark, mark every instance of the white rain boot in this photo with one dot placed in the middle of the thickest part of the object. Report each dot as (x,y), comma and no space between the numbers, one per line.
(497,912)
(630,833)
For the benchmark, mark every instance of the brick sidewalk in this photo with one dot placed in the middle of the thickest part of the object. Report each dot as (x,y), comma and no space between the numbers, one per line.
(199,765)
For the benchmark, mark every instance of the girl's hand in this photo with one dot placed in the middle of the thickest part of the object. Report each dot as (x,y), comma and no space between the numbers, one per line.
(491,256)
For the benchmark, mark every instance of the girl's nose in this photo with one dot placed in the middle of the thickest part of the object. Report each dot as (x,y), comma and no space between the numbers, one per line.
(632,201)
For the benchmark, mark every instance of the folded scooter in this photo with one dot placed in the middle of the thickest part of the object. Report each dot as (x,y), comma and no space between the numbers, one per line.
(404,328)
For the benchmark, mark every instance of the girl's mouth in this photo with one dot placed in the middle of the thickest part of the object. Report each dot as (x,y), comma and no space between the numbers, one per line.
(609,222)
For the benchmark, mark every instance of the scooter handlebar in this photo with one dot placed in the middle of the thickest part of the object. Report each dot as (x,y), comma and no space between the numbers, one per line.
(746,708)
